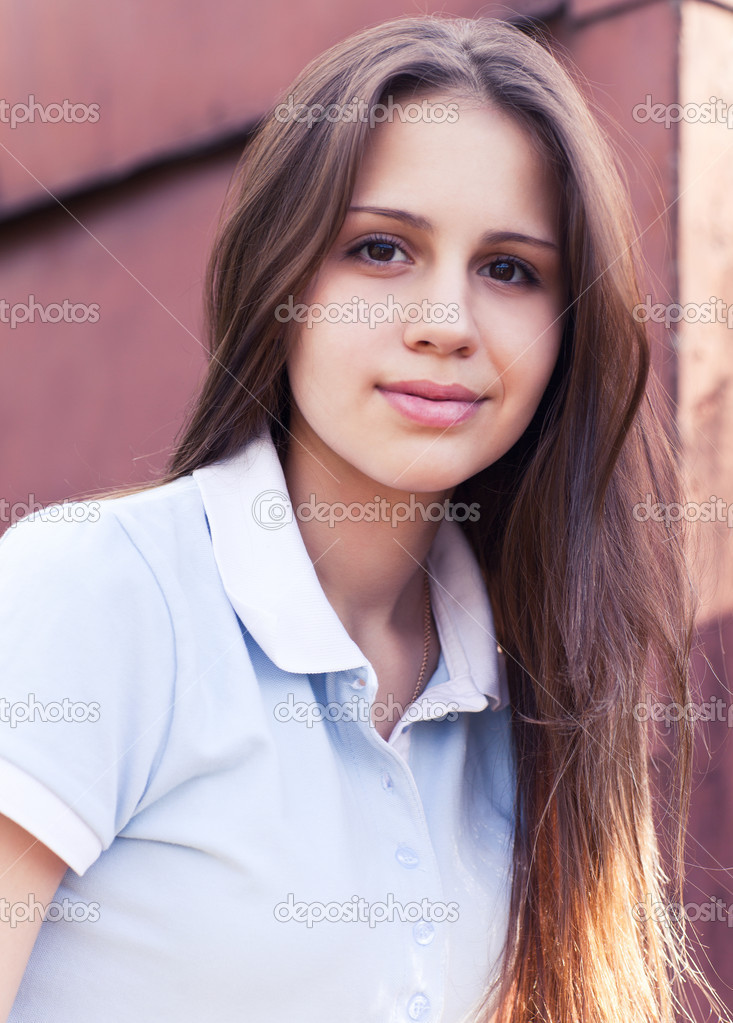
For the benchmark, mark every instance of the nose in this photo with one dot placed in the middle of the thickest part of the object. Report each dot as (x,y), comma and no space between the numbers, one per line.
(445,327)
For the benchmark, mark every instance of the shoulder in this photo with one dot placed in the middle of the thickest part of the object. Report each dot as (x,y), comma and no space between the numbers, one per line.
(111,538)
(91,597)
(132,563)
(90,639)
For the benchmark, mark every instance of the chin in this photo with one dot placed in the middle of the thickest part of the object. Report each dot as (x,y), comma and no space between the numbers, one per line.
(421,479)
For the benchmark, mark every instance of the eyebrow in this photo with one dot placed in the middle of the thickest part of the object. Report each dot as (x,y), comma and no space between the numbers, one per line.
(421,224)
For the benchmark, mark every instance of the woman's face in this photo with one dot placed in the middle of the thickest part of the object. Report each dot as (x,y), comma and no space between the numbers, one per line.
(435,320)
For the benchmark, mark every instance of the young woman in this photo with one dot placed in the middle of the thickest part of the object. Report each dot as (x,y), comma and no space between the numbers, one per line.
(260,749)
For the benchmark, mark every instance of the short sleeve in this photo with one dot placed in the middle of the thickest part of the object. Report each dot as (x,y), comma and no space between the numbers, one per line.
(87,674)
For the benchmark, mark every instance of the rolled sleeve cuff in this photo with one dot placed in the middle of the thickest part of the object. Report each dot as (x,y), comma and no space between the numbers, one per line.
(34,807)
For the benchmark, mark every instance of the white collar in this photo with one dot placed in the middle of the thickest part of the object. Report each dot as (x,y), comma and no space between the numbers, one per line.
(273,587)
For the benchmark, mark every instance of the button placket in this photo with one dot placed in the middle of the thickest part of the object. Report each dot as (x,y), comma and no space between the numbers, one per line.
(406,857)
(418,1008)
(412,850)
(347,696)
(423,932)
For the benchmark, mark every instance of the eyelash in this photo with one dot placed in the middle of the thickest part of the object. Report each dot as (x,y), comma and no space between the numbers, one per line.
(532,278)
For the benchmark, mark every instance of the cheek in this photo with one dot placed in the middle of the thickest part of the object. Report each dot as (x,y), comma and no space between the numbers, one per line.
(537,335)
(324,364)
(346,356)
(526,368)
(304,375)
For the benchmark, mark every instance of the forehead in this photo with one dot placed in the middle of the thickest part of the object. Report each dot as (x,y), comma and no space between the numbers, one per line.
(483,166)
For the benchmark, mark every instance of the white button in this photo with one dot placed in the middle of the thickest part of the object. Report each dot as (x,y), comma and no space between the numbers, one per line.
(423,932)
(419,1007)
(358,683)
(407,857)
(387,783)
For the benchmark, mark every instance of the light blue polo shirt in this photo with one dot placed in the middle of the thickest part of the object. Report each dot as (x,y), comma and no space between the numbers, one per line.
(185,721)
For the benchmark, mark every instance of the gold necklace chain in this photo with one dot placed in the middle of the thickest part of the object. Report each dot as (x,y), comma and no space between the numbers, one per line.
(428,637)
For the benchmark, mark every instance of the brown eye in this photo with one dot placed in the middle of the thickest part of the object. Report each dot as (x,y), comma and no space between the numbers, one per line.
(382,251)
(511,270)
(379,249)
(503,270)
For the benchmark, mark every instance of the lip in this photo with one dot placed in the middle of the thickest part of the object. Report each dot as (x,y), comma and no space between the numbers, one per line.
(433,392)
(437,405)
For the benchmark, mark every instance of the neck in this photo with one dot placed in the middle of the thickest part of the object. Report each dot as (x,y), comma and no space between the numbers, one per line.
(371,570)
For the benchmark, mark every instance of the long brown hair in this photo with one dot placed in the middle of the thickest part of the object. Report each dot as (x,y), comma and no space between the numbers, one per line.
(592,606)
